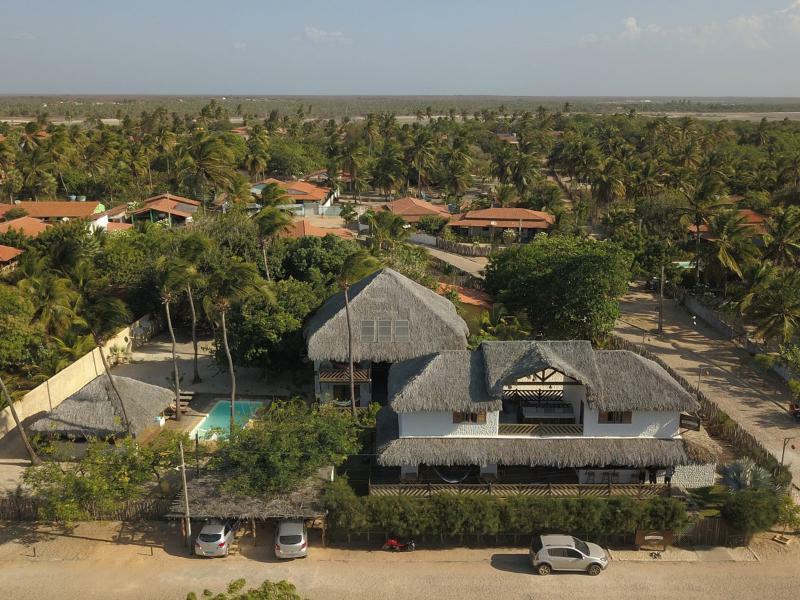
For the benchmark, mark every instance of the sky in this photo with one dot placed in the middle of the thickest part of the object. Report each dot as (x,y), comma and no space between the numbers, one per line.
(495,47)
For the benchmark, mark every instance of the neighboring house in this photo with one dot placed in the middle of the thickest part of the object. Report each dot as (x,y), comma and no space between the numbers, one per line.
(508,138)
(413,209)
(176,210)
(301,192)
(26,225)
(490,223)
(553,411)
(303,228)
(55,210)
(393,319)
(8,257)
(753,220)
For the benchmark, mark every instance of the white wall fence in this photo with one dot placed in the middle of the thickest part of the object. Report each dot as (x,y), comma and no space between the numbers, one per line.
(49,394)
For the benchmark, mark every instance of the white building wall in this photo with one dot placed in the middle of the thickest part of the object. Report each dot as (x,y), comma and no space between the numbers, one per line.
(440,424)
(655,424)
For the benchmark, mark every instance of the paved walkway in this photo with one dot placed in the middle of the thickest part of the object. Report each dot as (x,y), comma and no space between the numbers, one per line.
(474,265)
(757,401)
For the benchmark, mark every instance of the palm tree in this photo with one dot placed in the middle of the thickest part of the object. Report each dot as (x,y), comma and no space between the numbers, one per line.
(205,162)
(34,458)
(271,222)
(776,310)
(702,198)
(172,276)
(191,250)
(386,228)
(730,243)
(273,194)
(54,300)
(387,171)
(357,266)
(524,172)
(353,162)
(226,287)
(608,182)
(789,169)
(103,315)
(782,237)
(421,154)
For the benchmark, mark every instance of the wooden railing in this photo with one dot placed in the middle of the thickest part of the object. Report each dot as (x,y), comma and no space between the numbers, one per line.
(343,375)
(541,429)
(503,490)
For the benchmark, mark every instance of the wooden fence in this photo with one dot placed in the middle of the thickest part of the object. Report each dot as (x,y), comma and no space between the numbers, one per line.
(504,490)
(24,508)
(540,429)
(467,249)
(715,419)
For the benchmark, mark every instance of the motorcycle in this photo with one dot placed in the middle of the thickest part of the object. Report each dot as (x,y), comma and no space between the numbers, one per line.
(393,545)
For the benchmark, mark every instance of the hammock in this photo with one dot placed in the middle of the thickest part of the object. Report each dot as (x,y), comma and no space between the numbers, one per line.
(446,480)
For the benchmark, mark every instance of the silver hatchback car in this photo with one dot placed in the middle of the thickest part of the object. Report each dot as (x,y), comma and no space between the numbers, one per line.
(214,539)
(291,539)
(566,553)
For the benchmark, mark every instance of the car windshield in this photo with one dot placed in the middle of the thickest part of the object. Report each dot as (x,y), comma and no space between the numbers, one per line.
(210,537)
(290,539)
(581,546)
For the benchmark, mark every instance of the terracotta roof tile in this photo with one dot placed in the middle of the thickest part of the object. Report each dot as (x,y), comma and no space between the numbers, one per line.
(9,253)
(27,225)
(413,209)
(301,191)
(54,209)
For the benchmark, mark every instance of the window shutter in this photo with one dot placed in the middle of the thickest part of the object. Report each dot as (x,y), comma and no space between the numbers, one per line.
(481,418)
(457,417)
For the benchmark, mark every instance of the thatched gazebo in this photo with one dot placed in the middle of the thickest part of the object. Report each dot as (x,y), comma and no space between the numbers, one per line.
(93,411)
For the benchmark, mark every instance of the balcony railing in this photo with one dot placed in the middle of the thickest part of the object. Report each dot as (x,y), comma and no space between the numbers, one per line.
(541,429)
(343,376)
(503,490)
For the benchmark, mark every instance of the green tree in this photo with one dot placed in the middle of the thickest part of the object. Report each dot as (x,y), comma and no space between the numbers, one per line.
(191,250)
(568,286)
(284,445)
(172,276)
(271,222)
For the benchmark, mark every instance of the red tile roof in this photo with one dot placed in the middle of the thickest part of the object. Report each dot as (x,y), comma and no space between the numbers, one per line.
(506,218)
(114,226)
(181,199)
(302,228)
(177,206)
(26,225)
(8,253)
(751,218)
(413,209)
(301,191)
(54,209)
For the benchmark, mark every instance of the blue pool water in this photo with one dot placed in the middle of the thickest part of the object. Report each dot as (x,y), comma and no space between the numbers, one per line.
(220,417)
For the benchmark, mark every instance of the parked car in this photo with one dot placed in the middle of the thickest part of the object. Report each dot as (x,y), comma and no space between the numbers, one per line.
(566,553)
(291,539)
(214,539)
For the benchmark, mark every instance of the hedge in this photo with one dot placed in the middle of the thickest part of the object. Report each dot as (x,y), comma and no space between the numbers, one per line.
(447,514)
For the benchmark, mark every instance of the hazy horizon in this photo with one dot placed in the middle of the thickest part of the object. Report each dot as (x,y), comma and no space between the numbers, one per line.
(615,49)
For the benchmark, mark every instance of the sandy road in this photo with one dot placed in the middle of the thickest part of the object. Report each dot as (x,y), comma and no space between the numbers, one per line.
(107,560)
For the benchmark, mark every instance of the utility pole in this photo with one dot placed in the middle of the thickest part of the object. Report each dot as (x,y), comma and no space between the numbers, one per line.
(661,303)
(187,518)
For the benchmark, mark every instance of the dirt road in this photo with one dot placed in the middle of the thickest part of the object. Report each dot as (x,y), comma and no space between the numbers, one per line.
(108,560)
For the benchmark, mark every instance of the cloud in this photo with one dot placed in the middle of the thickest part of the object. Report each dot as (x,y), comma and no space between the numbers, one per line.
(239,45)
(752,31)
(320,36)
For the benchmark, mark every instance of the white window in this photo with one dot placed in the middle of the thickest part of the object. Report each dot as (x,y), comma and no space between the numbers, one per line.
(367,331)
(384,330)
(401,331)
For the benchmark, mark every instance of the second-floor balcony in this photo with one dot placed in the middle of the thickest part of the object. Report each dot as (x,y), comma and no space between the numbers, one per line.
(339,375)
(541,429)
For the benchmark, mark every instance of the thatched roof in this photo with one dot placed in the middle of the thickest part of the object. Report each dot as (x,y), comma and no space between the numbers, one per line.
(632,382)
(434,325)
(506,362)
(552,452)
(446,381)
(209,500)
(93,410)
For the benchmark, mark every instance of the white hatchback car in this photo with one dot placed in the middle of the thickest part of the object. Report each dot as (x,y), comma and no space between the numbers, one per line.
(214,539)
(291,539)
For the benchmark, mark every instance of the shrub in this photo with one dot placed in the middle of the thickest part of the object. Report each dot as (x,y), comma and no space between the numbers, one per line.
(664,513)
(752,510)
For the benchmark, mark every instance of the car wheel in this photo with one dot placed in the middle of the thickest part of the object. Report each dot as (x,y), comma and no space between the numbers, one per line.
(544,569)
(594,570)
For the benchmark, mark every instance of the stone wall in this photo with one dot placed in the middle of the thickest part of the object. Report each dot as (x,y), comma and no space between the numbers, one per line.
(694,476)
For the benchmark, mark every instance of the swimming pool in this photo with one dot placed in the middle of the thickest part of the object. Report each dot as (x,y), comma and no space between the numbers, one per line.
(219,417)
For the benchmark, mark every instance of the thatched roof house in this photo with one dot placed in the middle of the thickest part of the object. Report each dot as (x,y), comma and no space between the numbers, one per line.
(209,500)
(93,410)
(432,324)
(613,379)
